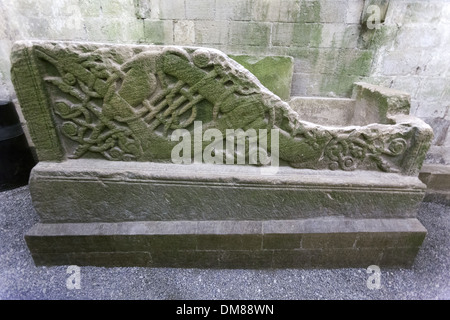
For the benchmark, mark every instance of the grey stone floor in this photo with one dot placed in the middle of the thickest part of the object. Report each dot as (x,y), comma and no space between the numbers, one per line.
(20,279)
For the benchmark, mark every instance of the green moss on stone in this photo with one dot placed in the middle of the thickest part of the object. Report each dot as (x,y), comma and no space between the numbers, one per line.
(154,31)
(307,34)
(361,65)
(250,33)
(309,11)
(315,35)
(350,68)
(274,72)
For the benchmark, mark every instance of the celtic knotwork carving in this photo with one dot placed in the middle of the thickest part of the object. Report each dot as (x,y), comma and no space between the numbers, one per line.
(344,154)
(123,104)
(84,120)
(107,94)
(348,151)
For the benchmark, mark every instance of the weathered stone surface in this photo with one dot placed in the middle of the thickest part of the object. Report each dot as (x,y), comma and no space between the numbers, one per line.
(369,104)
(124,102)
(282,241)
(437,179)
(358,242)
(85,190)
(274,72)
(326,111)
(380,104)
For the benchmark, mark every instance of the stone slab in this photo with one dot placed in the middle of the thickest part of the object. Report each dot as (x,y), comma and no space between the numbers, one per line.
(88,190)
(239,244)
(124,103)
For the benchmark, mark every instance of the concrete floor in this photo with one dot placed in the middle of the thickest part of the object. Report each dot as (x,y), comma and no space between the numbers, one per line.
(21,279)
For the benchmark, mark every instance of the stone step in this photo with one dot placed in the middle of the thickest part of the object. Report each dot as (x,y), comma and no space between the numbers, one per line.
(307,243)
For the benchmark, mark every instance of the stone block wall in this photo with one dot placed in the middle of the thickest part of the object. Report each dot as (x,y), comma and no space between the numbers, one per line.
(332,49)
(414,56)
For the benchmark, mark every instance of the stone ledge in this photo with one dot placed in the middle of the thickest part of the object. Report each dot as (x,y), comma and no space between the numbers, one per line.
(356,242)
(437,179)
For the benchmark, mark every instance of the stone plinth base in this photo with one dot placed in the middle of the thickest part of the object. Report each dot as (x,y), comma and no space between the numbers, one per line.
(101,213)
(307,243)
(437,179)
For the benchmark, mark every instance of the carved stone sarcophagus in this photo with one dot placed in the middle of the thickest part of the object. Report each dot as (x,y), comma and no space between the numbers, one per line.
(179,157)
